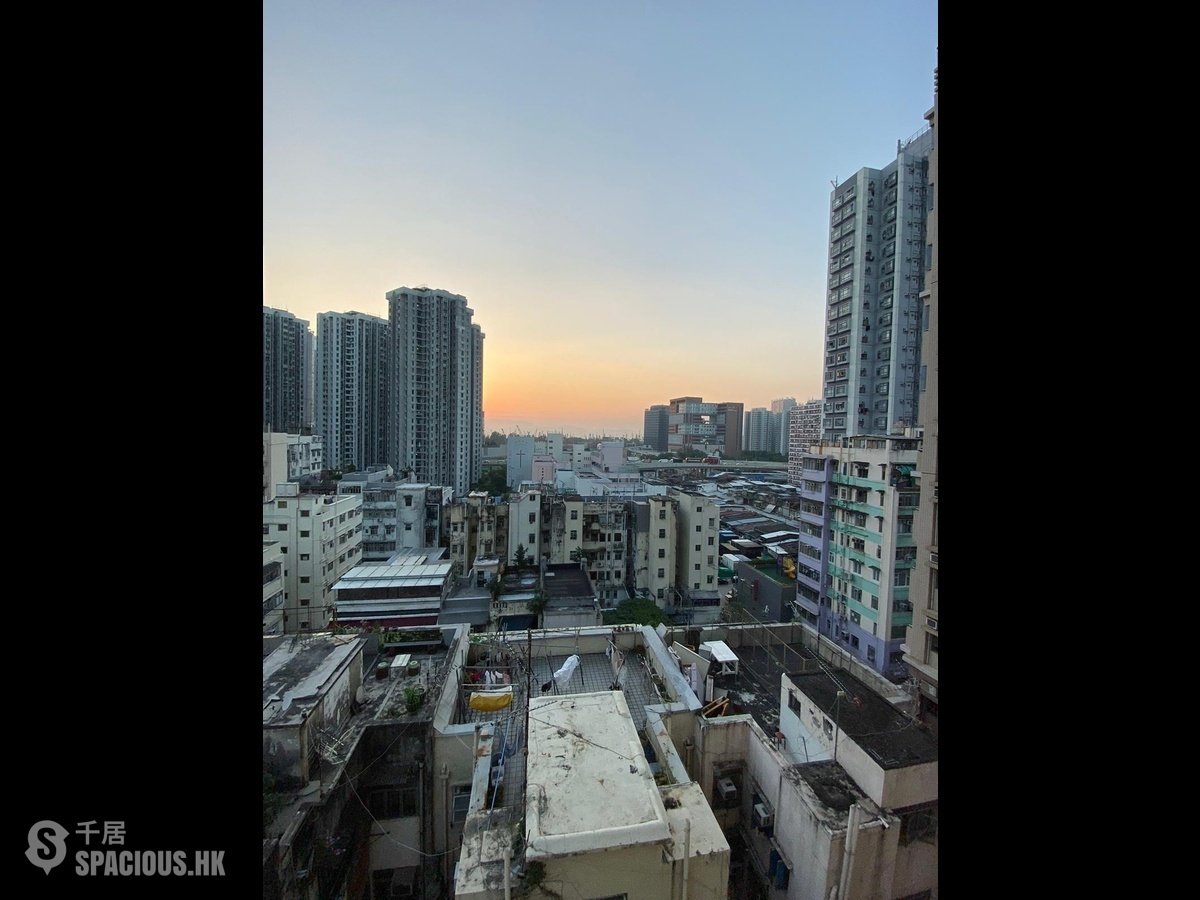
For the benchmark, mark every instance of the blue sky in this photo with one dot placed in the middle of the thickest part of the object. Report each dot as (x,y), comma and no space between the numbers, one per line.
(633,196)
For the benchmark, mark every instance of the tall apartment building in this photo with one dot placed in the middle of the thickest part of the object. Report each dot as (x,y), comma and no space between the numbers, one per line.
(694,426)
(352,388)
(320,538)
(812,553)
(782,410)
(760,434)
(876,274)
(654,428)
(804,430)
(436,428)
(921,642)
(872,551)
(287,372)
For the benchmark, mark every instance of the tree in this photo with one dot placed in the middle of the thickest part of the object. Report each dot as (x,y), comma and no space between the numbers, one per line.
(521,558)
(494,481)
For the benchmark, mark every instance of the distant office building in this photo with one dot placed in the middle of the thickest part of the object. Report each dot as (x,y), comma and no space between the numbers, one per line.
(921,642)
(877,261)
(287,372)
(654,431)
(520,459)
(694,427)
(544,468)
(554,447)
(436,428)
(352,388)
(760,433)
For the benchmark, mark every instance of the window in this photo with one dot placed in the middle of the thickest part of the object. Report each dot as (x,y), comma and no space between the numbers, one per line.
(408,499)
(662,573)
(697,548)
(304,534)
(304,513)
(394,803)
(699,509)
(532,518)
(662,532)
(662,554)
(408,526)
(710,542)
(660,593)
(304,579)
(282,526)
(710,579)
(303,557)
(662,513)
(574,515)
(870,653)
(281,504)
(697,529)
(303,626)
(712,523)
(304,601)
(697,568)
(532,539)
(574,535)
(462,802)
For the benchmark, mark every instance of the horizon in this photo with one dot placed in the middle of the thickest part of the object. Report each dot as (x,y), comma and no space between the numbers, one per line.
(634,201)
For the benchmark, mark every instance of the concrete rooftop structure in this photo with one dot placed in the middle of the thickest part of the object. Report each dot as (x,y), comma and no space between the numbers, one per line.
(298,670)
(586,748)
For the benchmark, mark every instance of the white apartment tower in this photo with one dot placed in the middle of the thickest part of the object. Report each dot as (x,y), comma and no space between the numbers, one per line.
(436,431)
(352,388)
(876,274)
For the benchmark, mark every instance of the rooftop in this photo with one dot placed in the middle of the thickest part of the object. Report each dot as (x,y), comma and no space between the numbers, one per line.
(892,739)
(584,753)
(298,670)
(563,582)
(412,572)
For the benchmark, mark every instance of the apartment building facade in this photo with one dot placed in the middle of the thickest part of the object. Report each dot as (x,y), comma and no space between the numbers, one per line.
(872,551)
(877,222)
(352,388)
(921,642)
(654,427)
(287,372)
(694,426)
(804,430)
(319,538)
(813,605)
(436,401)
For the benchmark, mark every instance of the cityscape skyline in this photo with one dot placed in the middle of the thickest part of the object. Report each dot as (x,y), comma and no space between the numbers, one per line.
(635,203)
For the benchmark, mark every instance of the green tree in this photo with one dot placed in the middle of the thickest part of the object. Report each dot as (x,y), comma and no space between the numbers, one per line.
(493,481)
(521,557)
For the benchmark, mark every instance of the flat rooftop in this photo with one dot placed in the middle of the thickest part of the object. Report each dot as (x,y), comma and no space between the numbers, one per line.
(298,670)
(406,574)
(891,738)
(567,583)
(589,784)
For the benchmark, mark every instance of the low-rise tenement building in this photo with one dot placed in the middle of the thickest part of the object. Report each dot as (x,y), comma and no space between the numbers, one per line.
(272,588)
(398,515)
(320,538)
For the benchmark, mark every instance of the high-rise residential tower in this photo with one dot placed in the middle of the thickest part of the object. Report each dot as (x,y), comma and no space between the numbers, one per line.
(436,429)
(804,430)
(352,388)
(760,434)
(287,372)
(921,642)
(782,411)
(876,274)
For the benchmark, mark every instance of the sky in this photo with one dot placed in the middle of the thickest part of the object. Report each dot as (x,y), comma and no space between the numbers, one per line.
(633,196)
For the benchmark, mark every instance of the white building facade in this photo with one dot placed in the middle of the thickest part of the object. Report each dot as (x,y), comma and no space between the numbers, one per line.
(320,538)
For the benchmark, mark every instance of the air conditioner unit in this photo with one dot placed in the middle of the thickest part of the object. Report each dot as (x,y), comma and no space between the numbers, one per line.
(761,818)
(726,789)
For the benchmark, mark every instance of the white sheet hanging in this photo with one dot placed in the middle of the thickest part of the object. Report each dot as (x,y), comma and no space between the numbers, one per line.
(563,676)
